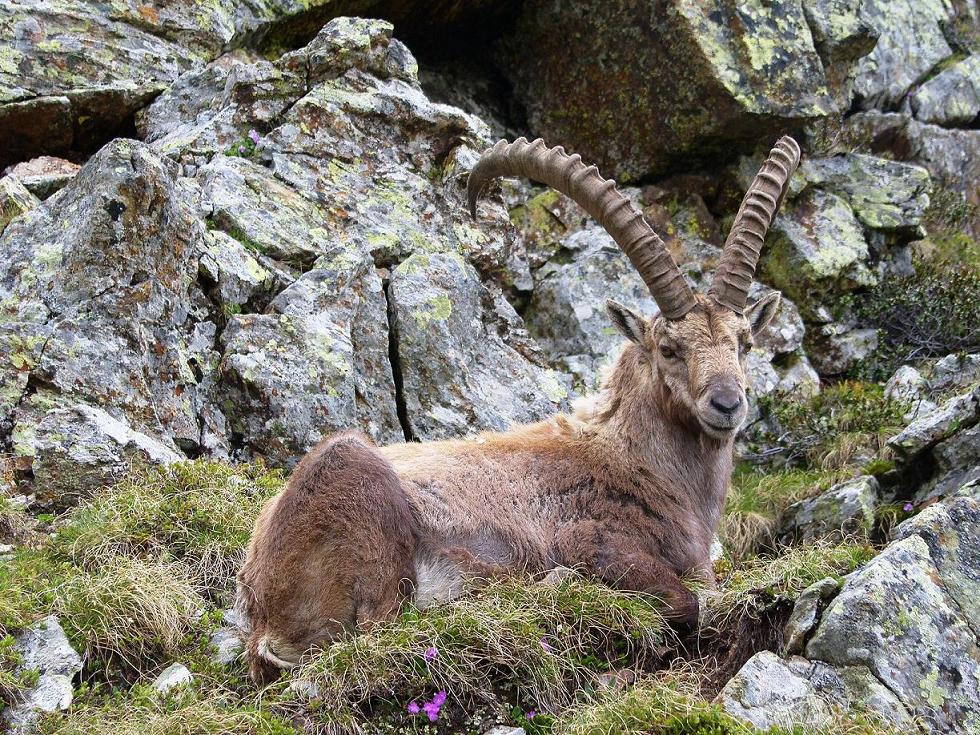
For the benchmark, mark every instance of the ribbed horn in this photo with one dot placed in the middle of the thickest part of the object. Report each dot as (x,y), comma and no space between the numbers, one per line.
(733,277)
(600,198)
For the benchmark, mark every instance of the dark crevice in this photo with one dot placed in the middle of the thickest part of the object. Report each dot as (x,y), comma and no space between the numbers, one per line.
(396,367)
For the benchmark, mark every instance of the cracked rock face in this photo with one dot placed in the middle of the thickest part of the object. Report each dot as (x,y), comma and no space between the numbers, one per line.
(174,301)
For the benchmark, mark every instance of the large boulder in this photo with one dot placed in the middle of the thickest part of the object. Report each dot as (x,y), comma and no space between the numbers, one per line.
(641,88)
(898,641)
(952,97)
(910,618)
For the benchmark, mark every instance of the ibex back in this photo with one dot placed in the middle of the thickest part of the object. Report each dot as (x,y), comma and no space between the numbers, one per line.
(628,488)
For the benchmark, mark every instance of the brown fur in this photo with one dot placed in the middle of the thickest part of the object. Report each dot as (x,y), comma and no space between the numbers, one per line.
(629,488)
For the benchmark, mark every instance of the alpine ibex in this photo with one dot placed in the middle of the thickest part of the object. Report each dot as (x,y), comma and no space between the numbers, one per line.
(628,488)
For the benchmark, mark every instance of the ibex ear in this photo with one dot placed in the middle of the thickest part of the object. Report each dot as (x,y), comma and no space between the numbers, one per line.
(632,325)
(762,311)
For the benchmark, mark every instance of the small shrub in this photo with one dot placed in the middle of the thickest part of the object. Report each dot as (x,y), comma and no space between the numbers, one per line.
(932,313)
(199,513)
(845,422)
(538,640)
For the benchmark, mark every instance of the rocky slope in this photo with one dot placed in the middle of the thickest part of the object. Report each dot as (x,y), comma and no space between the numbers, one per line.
(230,229)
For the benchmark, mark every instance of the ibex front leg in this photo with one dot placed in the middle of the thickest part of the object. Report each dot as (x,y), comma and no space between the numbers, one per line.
(624,562)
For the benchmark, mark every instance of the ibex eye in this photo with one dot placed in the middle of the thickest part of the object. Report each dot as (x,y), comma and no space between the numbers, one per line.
(666,352)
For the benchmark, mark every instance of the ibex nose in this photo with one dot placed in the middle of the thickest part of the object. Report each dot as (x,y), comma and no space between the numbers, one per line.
(726,400)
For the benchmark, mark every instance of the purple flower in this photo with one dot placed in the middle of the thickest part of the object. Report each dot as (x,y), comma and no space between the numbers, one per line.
(908,507)
(545,646)
(430,653)
(531,714)
(254,137)
(431,711)
(242,149)
(440,698)
(413,708)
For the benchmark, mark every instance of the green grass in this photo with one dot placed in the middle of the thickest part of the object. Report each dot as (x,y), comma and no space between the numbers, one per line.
(671,704)
(12,680)
(534,643)
(142,712)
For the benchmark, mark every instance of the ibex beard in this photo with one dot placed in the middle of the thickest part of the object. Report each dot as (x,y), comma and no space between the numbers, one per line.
(629,488)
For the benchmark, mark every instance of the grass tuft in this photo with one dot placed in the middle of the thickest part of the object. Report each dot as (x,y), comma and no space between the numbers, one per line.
(753,585)
(539,641)
(131,610)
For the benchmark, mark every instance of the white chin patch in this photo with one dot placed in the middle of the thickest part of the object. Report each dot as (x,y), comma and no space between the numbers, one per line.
(436,580)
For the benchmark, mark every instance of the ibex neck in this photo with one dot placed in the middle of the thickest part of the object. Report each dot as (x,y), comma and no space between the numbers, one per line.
(643,420)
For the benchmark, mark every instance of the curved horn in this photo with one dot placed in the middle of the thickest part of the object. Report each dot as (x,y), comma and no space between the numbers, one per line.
(733,276)
(600,198)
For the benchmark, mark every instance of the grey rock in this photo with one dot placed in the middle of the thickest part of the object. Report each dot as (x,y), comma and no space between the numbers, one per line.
(505,730)
(316,362)
(897,618)
(70,71)
(228,645)
(46,649)
(955,371)
(459,375)
(78,448)
(238,276)
(785,332)
(952,97)
(957,413)
(15,199)
(911,42)
(906,385)
(772,692)
(567,313)
(843,510)
(952,532)
(884,195)
(957,463)
(952,157)
(174,676)
(842,32)
(806,614)
(817,251)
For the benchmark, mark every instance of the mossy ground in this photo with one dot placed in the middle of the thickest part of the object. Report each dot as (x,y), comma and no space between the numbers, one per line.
(140,573)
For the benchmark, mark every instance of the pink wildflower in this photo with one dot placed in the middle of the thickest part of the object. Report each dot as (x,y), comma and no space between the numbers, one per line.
(254,137)
(908,507)
(531,714)
(430,653)
(431,711)
(413,708)
(440,698)
(545,646)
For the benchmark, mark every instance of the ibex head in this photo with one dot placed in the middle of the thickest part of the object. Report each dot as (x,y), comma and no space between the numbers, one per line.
(697,344)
